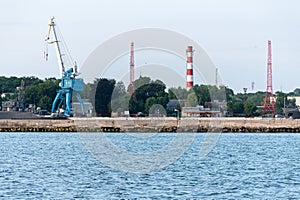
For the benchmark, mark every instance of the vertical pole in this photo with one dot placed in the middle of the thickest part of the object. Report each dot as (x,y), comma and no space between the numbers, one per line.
(131,84)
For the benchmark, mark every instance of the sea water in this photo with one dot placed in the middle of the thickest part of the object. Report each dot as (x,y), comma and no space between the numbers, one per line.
(239,166)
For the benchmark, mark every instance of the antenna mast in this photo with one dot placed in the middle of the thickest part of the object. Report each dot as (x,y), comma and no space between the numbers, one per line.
(131,84)
(269,104)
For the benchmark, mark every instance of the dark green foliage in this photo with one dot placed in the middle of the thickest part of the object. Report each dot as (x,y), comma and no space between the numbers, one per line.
(256,98)
(250,109)
(202,92)
(147,95)
(107,96)
(121,103)
(228,92)
(217,93)
(120,99)
(177,93)
(282,101)
(9,84)
(192,99)
(235,107)
(45,103)
(42,93)
(30,95)
(141,81)
(291,103)
(103,97)
(36,91)
(281,98)
(297,92)
(119,90)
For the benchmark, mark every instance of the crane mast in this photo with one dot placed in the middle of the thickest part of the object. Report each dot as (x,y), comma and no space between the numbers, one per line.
(69,84)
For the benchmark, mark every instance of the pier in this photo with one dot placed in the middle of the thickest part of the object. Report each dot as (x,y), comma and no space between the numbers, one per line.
(234,125)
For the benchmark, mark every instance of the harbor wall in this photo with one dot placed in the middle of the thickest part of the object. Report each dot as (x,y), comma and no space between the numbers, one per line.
(151,125)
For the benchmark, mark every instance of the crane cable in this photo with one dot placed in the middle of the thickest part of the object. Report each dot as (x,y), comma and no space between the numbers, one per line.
(64,46)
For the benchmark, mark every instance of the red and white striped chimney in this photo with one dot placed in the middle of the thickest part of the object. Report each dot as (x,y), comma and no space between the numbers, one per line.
(189,68)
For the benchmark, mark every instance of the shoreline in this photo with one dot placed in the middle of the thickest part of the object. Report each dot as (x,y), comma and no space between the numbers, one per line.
(170,124)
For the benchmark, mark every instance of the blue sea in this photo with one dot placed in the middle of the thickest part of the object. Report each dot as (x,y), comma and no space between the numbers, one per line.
(238,166)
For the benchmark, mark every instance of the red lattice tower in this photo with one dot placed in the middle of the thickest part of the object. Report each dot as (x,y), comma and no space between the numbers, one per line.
(269,104)
(131,84)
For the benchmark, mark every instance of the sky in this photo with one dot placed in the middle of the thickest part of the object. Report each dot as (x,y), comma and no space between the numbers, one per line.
(234,34)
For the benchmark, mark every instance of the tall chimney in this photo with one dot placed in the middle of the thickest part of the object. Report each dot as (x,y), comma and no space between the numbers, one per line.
(189,68)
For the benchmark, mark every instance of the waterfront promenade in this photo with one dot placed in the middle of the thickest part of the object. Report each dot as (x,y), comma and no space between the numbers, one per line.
(170,124)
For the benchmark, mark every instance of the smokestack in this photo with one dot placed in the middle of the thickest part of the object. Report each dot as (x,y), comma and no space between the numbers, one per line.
(189,68)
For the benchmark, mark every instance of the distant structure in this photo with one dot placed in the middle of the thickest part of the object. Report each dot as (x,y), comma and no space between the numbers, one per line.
(245,98)
(269,104)
(189,68)
(199,111)
(252,85)
(131,84)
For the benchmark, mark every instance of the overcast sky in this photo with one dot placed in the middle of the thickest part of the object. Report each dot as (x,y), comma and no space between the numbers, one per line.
(234,34)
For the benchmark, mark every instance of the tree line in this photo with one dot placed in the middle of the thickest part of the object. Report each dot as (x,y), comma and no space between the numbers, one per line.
(151,96)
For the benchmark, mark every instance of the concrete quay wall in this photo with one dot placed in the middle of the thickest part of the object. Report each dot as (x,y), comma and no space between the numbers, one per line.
(36,125)
(152,125)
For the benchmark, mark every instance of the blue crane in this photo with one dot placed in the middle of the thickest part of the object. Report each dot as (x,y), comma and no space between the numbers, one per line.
(69,84)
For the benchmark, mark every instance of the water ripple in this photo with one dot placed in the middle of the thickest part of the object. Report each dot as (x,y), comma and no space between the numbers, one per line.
(241,166)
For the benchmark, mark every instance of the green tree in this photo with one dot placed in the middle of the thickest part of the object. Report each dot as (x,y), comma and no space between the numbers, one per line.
(119,89)
(103,97)
(150,102)
(291,103)
(143,80)
(41,94)
(229,93)
(153,90)
(250,109)
(297,92)
(45,103)
(9,84)
(31,95)
(192,99)
(235,107)
(121,103)
(120,98)
(218,93)
(178,93)
(238,107)
(256,98)
(281,99)
(202,92)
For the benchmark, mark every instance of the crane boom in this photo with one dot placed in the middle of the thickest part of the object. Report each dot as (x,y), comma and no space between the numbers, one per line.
(51,26)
